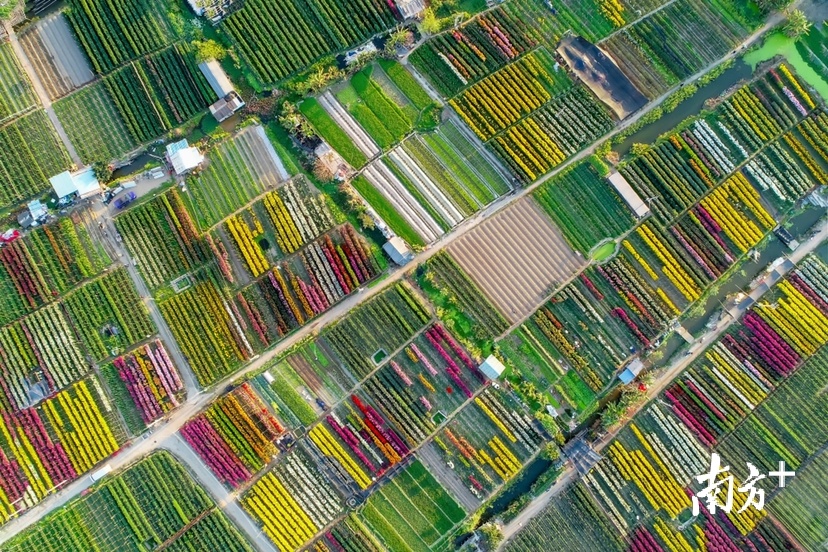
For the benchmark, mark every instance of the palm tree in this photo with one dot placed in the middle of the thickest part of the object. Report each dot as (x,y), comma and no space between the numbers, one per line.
(797,24)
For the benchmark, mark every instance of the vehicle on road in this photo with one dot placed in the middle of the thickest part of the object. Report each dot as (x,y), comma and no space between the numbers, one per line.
(122,202)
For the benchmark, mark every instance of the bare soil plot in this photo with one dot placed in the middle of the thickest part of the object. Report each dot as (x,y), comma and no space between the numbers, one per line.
(56,56)
(517,258)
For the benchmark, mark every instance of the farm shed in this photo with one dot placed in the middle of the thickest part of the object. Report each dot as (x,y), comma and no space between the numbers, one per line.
(631,371)
(218,79)
(183,157)
(223,108)
(601,75)
(398,250)
(410,8)
(624,189)
(84,183)
(492,368)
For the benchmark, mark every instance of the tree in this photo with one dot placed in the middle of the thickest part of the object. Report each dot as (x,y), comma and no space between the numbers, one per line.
(102,170)
(322,171)
(208,49)
(773,5)
(492,534)
(797,23)
(7,7)
(638,148)
(551,452)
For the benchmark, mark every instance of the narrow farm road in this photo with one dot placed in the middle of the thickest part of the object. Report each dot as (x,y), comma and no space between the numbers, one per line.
(196,402)
(225,500)
(45,100)
(665,378)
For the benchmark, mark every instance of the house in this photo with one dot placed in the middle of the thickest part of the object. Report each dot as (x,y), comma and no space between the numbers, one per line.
(229,100)
(84,183)
(353,55)
(214,10)
(398,250)
(631,371)
(331,160)
(492,368)
(183,157)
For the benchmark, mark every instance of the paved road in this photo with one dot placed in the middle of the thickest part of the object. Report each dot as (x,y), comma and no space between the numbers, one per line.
(225,499)
(820,239)
(196,402)
(45,100)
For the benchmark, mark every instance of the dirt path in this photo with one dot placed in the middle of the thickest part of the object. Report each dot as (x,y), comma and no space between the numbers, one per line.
(42,95)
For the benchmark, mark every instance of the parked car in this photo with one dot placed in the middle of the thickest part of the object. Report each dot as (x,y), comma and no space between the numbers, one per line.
(122,202)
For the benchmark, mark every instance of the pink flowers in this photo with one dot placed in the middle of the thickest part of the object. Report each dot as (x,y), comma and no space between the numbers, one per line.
(151,380)
(215,452)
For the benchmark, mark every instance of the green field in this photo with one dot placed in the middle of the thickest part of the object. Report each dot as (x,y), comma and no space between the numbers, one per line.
(16,92)
(386,211)
(94,125)
(330,132)
(412,511)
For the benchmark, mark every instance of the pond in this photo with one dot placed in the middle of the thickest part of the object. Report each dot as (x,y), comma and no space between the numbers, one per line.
(778,44)
(689,107)
(521,486)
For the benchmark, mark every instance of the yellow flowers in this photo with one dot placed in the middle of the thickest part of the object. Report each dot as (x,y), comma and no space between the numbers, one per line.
(491,415)
(325,442)
(245,238)
(287,234)
(614,11)
(659,487)
(723,205)
(674,271)
(796,86)
(641,260)
(283,519)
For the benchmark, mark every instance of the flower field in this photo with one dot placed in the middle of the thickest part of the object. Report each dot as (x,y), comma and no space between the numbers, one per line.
(349,534)
(40,356)
(280,39)
(108,314)
(488,441)
(159,92)
(584,206)
(683,169)
(32,160)
(65,436)
(45,263)
(293,502)
(208,330)
(236,171)
(235,436)
(464,55)
(113,37)
(516,257)
(155,502)
(16,94)
(462,301)
(572,521)
(145,385)
(162,238)
(297,214)
(744,367)
(306,284)
(411,512)
(94,124)
(376,329)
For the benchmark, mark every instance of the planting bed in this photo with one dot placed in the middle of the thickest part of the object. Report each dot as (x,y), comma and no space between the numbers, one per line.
(162,238)
(235,435)
(145,385)
(584,206)
(94,124)
(285,37)
(352,143)
(30,153)
(153,503)
(108,314)
(112,37)
(411,512)
(516,257)
(56,56)
(236,171)
(16,94)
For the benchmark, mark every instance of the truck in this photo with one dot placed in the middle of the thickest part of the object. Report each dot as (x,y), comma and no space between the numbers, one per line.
(122,202)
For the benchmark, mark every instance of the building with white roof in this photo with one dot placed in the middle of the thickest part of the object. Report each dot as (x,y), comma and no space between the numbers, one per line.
(492,368)
(638,206)
(84,183)
(183,157)
(398,250)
